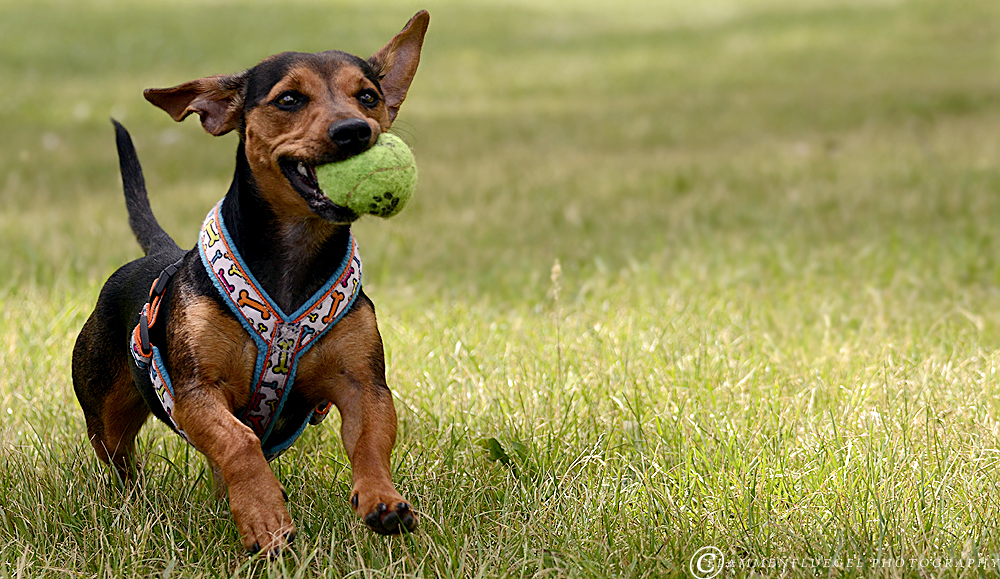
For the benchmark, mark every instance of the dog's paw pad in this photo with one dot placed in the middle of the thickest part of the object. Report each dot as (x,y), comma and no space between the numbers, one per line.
(390,521)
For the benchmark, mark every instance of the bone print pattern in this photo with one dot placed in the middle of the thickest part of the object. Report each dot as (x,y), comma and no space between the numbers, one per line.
(280,338)
(164,390)
(157,376)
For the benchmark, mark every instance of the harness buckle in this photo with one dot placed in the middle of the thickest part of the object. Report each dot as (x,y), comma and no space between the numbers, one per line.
(142,347)
(320,413)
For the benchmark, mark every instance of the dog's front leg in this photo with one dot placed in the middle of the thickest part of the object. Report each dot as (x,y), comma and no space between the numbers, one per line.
(368,429)
(348,368)
(255,496)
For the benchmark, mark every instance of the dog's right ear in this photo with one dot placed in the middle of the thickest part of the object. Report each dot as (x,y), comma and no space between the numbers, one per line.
(218,100)
(397,61)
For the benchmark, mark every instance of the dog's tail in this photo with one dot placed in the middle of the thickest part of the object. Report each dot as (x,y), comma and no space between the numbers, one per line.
(152,238)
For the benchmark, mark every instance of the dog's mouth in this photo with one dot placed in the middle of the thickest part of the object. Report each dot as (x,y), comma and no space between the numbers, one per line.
(302,176)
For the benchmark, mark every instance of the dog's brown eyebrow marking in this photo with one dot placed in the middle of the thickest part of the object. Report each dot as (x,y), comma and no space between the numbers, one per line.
(368,69)
(298,72)
(263,77)
(375,78)
(294,79)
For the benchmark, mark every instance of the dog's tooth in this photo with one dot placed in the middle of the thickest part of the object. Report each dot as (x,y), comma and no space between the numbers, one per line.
(302,170)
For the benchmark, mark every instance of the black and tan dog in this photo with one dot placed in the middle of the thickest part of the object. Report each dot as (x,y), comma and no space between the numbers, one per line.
(293,111)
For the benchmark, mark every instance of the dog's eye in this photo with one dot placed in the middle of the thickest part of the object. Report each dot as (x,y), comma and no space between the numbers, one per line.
(290,100)
(368,98)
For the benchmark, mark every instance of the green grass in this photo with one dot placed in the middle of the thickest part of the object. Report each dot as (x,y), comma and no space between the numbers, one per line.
(776,331)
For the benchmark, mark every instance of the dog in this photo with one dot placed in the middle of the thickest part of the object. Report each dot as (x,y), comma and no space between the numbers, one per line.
(210,348)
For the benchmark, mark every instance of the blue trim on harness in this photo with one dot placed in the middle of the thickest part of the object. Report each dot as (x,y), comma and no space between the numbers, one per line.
(263,347)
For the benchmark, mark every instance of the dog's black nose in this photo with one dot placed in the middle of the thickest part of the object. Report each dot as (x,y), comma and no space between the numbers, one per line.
(351,135)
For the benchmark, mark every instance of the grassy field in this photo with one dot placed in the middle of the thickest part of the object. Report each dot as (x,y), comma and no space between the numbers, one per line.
(774,329)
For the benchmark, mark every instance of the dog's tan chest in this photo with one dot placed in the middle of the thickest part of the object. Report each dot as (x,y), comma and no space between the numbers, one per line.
(210,347)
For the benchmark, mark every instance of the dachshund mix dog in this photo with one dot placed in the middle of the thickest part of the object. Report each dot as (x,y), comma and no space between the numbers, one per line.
(270,296)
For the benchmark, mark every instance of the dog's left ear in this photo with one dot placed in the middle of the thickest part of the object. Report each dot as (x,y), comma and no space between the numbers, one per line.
(218,100)
(397,62)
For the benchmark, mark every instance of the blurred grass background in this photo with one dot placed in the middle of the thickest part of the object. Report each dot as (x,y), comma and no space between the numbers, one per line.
(777,325)
(545,130)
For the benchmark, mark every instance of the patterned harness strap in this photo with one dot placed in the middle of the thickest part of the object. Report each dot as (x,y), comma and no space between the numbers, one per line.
(281,339)
(146,355)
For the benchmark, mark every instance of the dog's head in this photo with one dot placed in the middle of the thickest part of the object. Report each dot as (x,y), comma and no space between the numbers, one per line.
(295,111)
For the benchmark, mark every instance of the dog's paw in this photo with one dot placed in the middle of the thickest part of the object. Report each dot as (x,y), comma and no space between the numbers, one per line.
(278,543)
(387,520)
(385,513)
(268,533)
(262,519)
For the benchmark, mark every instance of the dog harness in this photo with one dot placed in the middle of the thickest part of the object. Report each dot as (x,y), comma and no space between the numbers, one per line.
(281,339)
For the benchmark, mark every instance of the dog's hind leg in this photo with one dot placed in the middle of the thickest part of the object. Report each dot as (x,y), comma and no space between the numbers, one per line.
(113,407)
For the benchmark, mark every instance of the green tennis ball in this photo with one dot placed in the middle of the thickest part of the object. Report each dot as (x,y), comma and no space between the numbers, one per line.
(379,181)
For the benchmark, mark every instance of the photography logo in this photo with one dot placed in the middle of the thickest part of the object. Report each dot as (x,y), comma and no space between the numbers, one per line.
(706,563)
